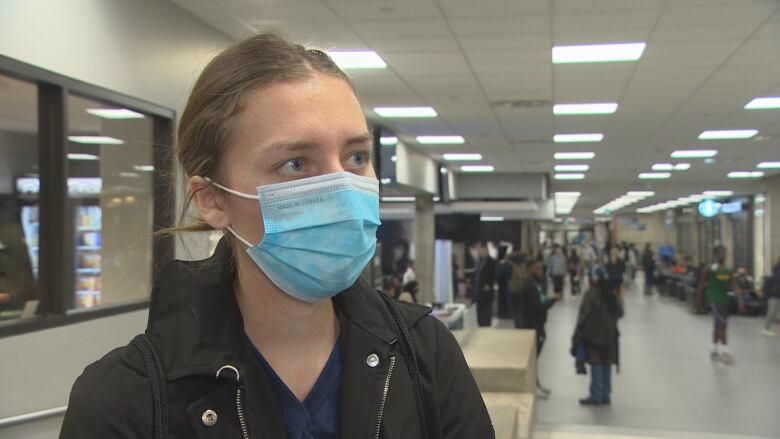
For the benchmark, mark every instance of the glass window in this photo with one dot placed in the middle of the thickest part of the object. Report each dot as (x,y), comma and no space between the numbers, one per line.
(18,199)
(110,168)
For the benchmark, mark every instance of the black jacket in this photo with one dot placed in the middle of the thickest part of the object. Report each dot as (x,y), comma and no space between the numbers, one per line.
(533,305)
(196,326)
(597,323)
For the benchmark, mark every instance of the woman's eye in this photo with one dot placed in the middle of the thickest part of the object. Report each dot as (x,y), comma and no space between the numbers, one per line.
(359,159)
(294,166)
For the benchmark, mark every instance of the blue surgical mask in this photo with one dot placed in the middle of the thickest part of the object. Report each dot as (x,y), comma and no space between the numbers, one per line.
(320,232)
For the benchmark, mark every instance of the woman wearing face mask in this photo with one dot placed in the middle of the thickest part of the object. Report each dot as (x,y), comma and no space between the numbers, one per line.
(274,336)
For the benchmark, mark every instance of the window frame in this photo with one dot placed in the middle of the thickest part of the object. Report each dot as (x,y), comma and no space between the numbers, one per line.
(57,246)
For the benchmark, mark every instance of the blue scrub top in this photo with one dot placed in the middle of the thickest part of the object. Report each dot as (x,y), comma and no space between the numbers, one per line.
(319,416)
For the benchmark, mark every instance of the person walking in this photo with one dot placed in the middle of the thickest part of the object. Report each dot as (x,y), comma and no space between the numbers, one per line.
(533,304)
(648,265)
(596,337)
(557,269)
(772,294)
(277,335)
(716,281)
(503,275)
(589,260)
(574,267)
(616,268)
(485,281)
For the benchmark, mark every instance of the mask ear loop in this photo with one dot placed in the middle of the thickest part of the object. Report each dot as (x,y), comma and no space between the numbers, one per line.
(238,194)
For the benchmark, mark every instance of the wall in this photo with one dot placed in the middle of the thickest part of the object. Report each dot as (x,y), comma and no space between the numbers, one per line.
(655,231)
(149,49)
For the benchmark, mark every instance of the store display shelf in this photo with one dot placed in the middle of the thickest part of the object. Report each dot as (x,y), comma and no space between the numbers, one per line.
(88,270)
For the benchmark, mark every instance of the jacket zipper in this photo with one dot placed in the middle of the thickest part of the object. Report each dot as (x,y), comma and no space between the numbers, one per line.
(383,400)
(241,417)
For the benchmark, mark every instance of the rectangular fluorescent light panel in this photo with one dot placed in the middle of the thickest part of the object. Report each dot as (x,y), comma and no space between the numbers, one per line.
(727,134)
(575,176)
(718,193)
(567,194)
(400,112)
(572,109)
(597,53)
(366,59)
(491,218)
(745,174)
(694,153)
(570,168)
(388,141)
(115,113)
(769,103)
(398,199)
(144,168)
(96,140)
(663,167)
(768,165)
(455,157)
(574,155)
(477,168)
(654,175)
(576,138)
(441,140)
(76,156)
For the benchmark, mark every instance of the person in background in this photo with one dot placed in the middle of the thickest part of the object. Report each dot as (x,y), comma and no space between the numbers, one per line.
(615,267)
(533,304)
(597,334)
(503,274)
(772,294)
(408,293)
(557,268)
(589,259)
(716,281)
(485,280)
(574,268)
(648,265)
(518,261)
(631,259)
(409,275)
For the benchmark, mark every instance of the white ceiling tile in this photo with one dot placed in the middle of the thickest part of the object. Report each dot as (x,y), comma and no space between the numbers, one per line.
(352,10)
(500,25)
(502,42)
(711,34)
(564,36)
(395,28)
(590,21)
(412,44)
(718,14)
(279,12)
(471,8)
(569,6)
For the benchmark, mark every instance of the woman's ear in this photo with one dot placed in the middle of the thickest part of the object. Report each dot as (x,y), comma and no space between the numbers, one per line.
(210,203)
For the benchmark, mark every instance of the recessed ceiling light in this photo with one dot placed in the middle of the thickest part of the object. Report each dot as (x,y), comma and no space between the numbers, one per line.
(96,140)
(567,194)
(388,141)
(768,103)
(572,109)
(745,174)
(694,153)
(663,167)
(399,112)
(727,134)
(574,155)
(129,174)
(654,175)
(575,176)
(366,59)
(144,168)
(643,194)
(768,165)
(398,199)
(77,156)
(576,138)
(440,140)
(454,157)
(443,170)
(491,218)
(569,168)
(115,113)
(477,168)
(597,53)
(718,193)
(386,180)
(394,158)
(682,166)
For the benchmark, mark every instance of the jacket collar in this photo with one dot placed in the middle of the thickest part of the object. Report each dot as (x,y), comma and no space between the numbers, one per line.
(196,325)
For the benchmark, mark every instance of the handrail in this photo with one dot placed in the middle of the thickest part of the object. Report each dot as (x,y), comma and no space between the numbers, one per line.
(32,417)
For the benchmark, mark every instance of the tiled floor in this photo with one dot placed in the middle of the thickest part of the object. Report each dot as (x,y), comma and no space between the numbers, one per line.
(667,386)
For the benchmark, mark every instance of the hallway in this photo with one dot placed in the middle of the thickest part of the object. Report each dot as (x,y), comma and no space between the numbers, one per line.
(667,386)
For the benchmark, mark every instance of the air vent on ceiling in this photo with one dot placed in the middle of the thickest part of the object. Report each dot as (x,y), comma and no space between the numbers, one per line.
(521,104)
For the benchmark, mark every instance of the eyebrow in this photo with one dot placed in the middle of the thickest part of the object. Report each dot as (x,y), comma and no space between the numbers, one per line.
(301,146)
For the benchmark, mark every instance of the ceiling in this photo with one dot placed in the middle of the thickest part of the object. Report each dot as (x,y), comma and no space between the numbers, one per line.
(705,59)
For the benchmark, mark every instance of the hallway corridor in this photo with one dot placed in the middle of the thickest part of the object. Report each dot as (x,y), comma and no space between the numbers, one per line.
(667,386)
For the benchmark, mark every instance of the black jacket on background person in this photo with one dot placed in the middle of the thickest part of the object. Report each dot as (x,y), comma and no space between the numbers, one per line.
(533,304)
(196,327)
(597,324)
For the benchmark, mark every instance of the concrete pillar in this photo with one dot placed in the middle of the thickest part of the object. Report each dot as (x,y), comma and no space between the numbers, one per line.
(772,215)
(424,246)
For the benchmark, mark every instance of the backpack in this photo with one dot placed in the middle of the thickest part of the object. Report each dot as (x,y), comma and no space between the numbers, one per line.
(517,278)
